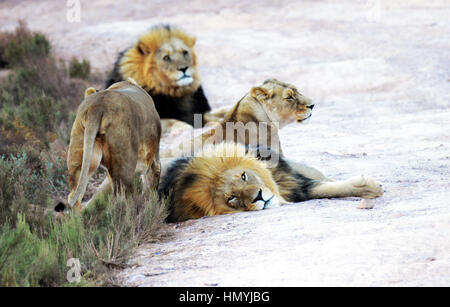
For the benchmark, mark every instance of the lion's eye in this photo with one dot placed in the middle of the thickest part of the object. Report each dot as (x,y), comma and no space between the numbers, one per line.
(244,176)
(232,197)
(291,98)
(166,58)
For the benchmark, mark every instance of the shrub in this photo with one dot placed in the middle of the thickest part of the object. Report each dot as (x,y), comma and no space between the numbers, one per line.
(20,187)
(35,247)
(128,221)
(38,98)
(25,259)
(22,46)
(78,69)
(103,236)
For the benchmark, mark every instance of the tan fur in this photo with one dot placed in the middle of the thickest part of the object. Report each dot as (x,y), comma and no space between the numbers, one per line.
(270,106)
(118,128)
(358,186)
(89,91)
(145,61)
(205,185)
(273,101)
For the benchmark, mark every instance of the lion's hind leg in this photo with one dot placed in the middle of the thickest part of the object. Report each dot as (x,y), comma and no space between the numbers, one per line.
(122,159)
(359,186)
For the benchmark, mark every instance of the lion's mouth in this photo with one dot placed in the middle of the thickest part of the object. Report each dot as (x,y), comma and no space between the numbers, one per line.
(185,80)
(267,202)
(184,77)
(302,120)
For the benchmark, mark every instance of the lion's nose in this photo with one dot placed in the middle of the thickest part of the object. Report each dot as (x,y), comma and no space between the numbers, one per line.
(258,197)
(310,107)
(183,70)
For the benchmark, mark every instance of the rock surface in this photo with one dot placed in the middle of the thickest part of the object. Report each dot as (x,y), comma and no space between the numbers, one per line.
(378,72)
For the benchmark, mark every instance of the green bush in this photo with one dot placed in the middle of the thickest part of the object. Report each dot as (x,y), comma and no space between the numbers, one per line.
(27,260)
(20,187)
(39,96)
(78,69)
(30,96)
(127,220)
(103,236)
(22,46)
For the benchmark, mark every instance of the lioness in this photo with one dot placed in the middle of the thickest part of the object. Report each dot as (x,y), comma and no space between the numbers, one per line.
(120,129)
(254,119)
(227,179)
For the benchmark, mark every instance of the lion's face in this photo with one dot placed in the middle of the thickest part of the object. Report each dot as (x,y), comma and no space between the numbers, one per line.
(223,179)
(163,61)
(175,62)
(243,190)
(283,102)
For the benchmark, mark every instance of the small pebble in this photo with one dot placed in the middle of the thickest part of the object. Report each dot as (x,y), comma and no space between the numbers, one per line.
(366,204)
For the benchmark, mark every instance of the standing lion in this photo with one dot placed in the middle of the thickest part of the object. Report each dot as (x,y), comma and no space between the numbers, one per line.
(120,129)
(164,63)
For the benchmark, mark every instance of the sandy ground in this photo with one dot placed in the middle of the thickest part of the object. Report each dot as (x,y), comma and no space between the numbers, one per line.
(378,72)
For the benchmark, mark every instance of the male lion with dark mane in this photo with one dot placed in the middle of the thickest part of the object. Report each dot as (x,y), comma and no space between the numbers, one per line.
(227,178)
(164,63)
(120,129)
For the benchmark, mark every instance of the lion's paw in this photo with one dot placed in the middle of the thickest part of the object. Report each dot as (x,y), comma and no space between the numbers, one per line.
(366,187)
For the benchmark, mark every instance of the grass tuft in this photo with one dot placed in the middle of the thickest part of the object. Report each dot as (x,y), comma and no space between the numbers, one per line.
(81,70)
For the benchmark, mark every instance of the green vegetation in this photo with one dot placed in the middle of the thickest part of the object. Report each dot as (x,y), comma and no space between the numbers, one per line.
(78,69)
(22,46)
(103,236)
(39,96)
(38,102)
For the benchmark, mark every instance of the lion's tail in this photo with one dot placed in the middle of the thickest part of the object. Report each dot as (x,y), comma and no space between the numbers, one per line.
(93,120)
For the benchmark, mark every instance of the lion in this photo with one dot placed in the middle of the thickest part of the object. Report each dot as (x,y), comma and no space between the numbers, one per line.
(120,129)
(280,102)
(255,118)
(230,178)
(164,63)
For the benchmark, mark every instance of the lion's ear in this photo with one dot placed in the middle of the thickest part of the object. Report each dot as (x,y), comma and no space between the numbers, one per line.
(259,93)
(288,93)
(89,91)
(142,48)
(192,41)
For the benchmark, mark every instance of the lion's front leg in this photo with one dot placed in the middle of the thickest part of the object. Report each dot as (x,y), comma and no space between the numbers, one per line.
(359,186)
(308,171)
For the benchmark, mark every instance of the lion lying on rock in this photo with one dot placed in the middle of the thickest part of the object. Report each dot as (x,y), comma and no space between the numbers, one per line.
(120,129)
(254,120)
(227,179)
